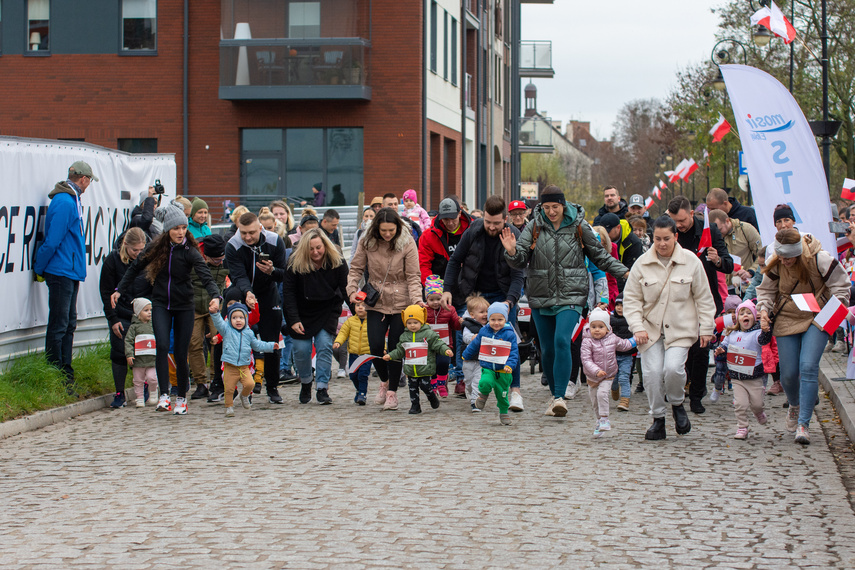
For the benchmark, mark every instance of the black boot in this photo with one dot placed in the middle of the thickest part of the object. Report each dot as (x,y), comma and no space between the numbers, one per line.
(323,397)
(681,420)
(697,407)
(305,392)
(424,384)
(416,406)
(657,430)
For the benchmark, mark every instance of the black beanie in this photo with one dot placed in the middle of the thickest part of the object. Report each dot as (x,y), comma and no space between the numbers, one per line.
(230,294)
(213,245)
(782,213)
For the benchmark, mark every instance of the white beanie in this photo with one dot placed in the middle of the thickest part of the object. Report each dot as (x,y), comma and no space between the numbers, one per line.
(140,303)
(601,316)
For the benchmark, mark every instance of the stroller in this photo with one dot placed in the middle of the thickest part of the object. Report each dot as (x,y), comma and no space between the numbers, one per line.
(528,346)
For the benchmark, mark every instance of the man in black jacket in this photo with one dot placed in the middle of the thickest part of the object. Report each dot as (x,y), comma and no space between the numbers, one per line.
(612,203)
(715,260)
(256,261)
(629,244)
(718,199)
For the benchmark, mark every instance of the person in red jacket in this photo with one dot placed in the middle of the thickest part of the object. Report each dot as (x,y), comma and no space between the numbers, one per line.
(443,321)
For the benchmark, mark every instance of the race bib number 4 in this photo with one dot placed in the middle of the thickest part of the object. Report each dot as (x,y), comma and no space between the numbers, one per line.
(415,353)
(144,345)
(494,351)
(443,331)
(741,360)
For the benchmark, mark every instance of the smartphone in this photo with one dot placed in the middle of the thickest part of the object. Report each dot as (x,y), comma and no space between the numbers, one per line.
(263,256)
(838,227)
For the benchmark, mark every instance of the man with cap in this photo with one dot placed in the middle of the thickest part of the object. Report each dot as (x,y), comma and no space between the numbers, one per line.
(636,207)
(61,261)
(517,211)
(612,203)
(376,203)
(620,232)
(197,222)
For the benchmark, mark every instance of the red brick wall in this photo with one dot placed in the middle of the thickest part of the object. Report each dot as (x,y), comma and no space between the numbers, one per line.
(443,179)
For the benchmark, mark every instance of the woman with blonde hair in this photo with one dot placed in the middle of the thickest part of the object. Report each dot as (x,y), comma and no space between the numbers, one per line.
(799,266)
(313,292)
(235,216)
(266,219)
(283,214)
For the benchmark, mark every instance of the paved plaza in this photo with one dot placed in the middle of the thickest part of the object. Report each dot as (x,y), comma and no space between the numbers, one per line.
(306,486)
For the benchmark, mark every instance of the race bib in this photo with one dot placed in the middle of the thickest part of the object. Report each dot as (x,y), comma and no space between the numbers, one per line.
(144,345)
(741,360)
(345,314)
(443,331)
(495,351)
(524,315)
(415,353)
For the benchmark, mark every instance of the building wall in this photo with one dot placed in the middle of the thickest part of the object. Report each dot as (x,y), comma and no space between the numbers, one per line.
(444,174)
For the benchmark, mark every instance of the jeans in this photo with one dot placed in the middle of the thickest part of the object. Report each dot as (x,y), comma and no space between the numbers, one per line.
(285,361)
(360,377)
(555,340)
(624,364)
(62,321)
(180,323)
(499,297)
(323,342)
(665,375)
(799,356)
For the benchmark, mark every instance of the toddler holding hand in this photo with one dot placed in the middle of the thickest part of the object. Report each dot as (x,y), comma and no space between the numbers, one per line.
(140,351)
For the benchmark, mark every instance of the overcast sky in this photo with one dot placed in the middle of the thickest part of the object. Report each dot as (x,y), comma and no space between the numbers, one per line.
(606,53)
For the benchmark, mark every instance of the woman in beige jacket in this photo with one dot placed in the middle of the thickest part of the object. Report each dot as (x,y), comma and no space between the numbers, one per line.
(390,254)
(668,305)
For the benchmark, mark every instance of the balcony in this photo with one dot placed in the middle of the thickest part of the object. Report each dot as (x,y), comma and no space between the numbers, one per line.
(536,59)
(288,68)
(536,134)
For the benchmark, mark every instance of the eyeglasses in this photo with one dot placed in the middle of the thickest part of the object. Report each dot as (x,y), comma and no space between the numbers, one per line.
(518,214)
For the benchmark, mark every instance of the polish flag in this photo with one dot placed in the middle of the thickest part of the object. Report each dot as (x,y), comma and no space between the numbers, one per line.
(771,17)
(848,192)
(579,327)
(806,302)
(706,236)
(662,185)
(359,362)
(648,202)
(843,244)
(721,128)
(678,171)
(671,176)
(656,192)
(831,315)
(690,168)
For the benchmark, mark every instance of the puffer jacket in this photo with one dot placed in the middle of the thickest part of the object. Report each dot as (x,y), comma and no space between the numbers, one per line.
(402,285)
(556,265)
(201,298)
(444,317)
(239,344)
(506,333)
(354,331)
(139,328)
(435,346)
(600,354)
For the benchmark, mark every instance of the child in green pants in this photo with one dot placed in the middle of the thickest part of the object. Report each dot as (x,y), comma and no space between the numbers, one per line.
(495,347)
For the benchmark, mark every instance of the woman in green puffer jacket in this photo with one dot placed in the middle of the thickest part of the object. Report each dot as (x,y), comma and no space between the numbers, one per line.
(552,248)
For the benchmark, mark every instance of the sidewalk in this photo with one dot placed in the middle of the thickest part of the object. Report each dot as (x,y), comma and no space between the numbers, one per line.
(832,378)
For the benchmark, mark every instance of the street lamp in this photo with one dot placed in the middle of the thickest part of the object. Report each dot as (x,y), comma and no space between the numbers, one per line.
(762,36)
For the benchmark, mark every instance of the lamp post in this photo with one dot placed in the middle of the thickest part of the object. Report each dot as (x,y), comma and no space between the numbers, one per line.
(723,53)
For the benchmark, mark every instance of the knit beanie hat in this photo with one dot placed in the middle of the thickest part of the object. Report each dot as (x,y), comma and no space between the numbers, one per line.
(619,300)
(239,307)
(599,315)
(748,305)
(172,217)
(410,195)
(784,212)
(500,308)
(140,303)
(732,303)
(433,285)
(197,204)
(213,245)
(414,312)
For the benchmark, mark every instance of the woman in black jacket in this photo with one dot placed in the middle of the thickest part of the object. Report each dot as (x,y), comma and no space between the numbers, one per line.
(169,262)
(314,289)
(119,318)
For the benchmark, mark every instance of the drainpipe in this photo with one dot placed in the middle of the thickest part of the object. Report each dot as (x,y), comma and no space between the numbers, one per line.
(425,44)
(463,70)
(186,119)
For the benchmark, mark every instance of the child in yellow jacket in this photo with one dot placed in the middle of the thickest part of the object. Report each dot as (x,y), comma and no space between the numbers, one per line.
(355,332)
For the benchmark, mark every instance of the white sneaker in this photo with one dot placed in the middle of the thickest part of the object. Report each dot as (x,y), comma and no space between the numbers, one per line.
(163,404)
(230,412)
(516,402)
(715,396)
(828,347)
(245,402)
(341,373)
(180,407)
(559,408)
(140,403)
(570,393)
(839,346)
(152,398)
(605,424)
(597,429)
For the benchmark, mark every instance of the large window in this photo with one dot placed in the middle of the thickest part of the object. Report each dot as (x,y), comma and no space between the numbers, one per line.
(139,25)
(38,25)
(453,51)
(304,20)
(288,162)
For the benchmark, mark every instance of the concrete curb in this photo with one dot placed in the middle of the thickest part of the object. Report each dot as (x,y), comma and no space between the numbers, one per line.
(845,410)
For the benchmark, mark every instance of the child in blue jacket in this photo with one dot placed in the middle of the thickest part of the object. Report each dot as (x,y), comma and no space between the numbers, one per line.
(496,349)
(238,344)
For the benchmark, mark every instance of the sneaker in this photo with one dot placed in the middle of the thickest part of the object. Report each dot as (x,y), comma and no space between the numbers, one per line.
(480,401)
(474,407)
(792,418)
(544,381)
(257,388)
(741,433)
(549,411)
(201,392)
(272,395)
(460,389)
(828,347)
(559,408)
(442,389)
(839,346)
(359,399)
(391,401)
(140,402)
(287,377)
(216,397)
(605,424)
(402,382)
(715,396)
(323,396)
(380,398)
(246,401)
(516,402)
(504,420)
(761,418)
(623,405)
(305,392)
(163,404)
(180,407)
(775,389)
(152,399)
(802,435)
(341,373)
(597,431)
(570,393)
(230,412)
(639,389)
(118,401)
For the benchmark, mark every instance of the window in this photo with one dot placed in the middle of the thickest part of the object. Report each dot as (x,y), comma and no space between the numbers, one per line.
(433,32)
(38,25)
(453,51)
(139,25)
(137,146)
(304,20)
(445,45)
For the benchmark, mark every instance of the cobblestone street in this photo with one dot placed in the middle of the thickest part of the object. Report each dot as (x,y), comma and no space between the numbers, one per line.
(306,486)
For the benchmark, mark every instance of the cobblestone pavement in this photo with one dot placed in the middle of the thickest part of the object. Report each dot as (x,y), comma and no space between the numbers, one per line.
(306,486)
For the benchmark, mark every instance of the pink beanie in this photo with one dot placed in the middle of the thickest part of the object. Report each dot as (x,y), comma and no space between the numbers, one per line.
(410,195)
(748,305)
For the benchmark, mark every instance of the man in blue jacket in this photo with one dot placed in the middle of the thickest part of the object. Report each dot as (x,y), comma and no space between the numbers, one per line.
(61,260)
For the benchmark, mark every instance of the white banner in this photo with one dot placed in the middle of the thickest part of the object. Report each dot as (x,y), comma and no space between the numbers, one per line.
(30,170)
(782,151)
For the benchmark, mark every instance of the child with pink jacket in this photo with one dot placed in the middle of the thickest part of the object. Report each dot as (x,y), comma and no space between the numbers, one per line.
(414,212)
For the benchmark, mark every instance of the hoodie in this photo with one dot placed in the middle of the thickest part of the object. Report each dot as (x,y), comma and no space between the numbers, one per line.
(63,251)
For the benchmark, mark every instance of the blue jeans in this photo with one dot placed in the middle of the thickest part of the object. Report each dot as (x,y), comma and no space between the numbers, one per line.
(799,355)
(360,377)
(499,297)
(62,322)
(555,334)
(323,342)
(624,364)
(285,361)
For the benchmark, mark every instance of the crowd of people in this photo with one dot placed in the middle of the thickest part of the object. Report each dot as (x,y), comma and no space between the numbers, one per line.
(431,303)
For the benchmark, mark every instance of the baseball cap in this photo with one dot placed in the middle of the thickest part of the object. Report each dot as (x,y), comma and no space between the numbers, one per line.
(517,205)
(83,169)
(636,200)
(609,221)
(448,208)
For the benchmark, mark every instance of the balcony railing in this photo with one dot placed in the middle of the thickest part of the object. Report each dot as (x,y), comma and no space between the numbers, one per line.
(318,68)
(536,59)
(536,134)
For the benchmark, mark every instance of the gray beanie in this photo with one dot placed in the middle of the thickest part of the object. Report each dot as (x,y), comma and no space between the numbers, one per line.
(172,217)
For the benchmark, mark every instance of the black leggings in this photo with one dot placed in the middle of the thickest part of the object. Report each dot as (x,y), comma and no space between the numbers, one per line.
(118,360)
(378,325)
(181,324)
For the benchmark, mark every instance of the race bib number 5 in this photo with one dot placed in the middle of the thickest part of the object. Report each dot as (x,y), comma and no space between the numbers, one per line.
(415,353)
(494,351)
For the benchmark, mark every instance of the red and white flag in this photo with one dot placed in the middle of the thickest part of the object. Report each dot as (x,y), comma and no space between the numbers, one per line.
(721,128)
(579,327)
(359,362)
(848,192)
(806,302)
(843,244)
(706,236)
(771,17)
(831,315)
(678,171)
(662,185)
(689,169)
(656,192)
(647,204)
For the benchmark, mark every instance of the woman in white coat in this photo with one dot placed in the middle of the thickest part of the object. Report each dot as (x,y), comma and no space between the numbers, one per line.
(668,305)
